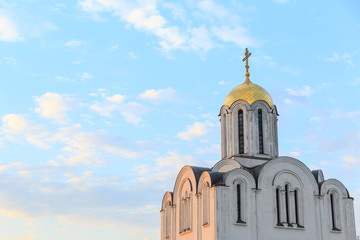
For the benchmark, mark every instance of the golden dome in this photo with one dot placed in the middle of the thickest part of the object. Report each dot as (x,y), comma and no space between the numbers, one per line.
(249,92)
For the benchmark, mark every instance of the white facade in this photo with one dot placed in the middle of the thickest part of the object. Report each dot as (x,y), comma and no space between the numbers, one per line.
(252,193)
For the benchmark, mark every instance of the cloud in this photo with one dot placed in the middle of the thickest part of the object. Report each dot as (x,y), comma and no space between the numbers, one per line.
(237,35)
(349,160)
(315,119)
(305,92)
(196,130)
(18,126)
(54,106)
(8,30)
(165,169)
(158,96)
(74,43)
(117,98)
(295,154)
(213,9)
(336,57)
(131,118)
(87,148)
(146,16)
(85,76)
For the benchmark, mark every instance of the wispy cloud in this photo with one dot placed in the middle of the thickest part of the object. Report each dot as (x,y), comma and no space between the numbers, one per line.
(55,106)
(8,29)
(74,43)
(158,96)
(198,129)
(306,91)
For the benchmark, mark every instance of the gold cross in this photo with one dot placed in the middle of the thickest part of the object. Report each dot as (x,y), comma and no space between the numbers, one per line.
(247,55)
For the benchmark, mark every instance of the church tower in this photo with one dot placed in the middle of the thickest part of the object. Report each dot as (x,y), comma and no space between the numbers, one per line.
(252,193)
(249,123)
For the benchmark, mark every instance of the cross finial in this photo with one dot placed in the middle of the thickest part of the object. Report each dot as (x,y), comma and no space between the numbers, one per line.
(247,74)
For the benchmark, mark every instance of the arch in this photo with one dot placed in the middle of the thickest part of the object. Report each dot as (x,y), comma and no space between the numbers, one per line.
(226,165)
(281,162)
(168,196)
(334,183)
(239,173)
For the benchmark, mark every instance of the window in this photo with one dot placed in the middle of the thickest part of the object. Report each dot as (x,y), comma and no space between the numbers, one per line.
(287,205)
(240,203)
(278,211)
(167,220)
(206,207)
(296,198)
(335,216)
(260,125)
(224,142)
(241,131)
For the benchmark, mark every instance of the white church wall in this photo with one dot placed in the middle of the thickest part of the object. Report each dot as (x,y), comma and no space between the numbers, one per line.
(280,172)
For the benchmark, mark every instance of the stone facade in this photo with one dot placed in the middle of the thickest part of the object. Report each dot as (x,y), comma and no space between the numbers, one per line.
(252,193)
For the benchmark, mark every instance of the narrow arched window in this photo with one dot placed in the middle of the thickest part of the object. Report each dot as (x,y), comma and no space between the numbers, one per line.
(239,204)
(168,220)
(224,137)
(334,213)
(241,131)
(278,216)
(287,204)
(296,198)
(260,125)
(206,199)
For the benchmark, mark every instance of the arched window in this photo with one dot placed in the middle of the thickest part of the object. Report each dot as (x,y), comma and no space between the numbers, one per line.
(206,207)
(296,199)
(240,203)
(241,131)
(278,211)
(261,139)
(335,214)
(224,137)
(168,220)
(287,204)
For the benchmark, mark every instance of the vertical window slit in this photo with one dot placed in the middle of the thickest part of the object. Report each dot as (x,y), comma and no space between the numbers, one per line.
(241,131)
(296,196)
(261,140)
(238,194)
(278,207)
(287,205)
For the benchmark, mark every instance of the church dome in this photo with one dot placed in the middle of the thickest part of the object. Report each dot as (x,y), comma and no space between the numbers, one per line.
(249,92)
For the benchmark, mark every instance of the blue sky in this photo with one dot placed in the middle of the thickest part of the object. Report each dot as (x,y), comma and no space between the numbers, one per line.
(103,101)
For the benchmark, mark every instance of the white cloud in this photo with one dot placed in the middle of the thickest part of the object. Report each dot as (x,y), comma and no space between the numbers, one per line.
(295,154)
(74,43)
(132,55)
(238,35)
(165,169)
(350,160)
(177,10)
(17,125)
(315,119)
(212,8)
(117,98)
(8,30)
(356,82)
(336,57)
(85,76)
(200,39)
(131,118)
(305,92)
(54,106)
(158,96)
(196,130)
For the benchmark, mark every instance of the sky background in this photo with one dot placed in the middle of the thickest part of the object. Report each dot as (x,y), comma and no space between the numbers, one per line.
(103,101)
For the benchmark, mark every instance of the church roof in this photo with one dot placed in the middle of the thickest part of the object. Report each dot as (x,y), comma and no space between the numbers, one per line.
(249,92)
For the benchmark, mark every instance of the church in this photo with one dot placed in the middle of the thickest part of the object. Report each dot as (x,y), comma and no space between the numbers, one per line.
(252,193)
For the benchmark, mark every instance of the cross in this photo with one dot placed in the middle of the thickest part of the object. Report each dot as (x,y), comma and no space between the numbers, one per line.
(247,55)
